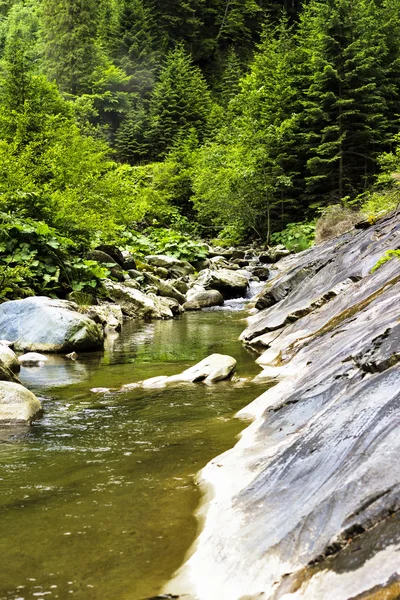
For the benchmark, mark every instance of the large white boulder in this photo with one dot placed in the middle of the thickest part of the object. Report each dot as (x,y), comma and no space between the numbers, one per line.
(48,325)
(17,403)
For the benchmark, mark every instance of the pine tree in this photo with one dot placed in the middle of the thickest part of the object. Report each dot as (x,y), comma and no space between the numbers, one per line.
(344,105)
(69,41)
(137,53)
(180,101)
(131,140)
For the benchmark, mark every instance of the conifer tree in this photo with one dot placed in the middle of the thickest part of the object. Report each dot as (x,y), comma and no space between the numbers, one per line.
(180,101)
(344,106)
(69,43)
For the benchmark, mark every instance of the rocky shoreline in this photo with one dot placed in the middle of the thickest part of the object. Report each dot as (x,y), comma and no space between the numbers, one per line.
(306,505)
(160,287)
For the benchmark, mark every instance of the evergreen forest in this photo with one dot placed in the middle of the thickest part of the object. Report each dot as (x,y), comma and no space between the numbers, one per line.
(155,123)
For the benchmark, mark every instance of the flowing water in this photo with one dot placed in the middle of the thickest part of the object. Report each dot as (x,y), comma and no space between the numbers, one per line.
(98,498)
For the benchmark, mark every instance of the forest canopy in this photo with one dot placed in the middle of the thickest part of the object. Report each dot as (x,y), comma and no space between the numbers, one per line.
(218,118)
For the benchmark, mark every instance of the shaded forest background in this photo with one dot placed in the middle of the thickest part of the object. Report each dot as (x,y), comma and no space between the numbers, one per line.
(228,119)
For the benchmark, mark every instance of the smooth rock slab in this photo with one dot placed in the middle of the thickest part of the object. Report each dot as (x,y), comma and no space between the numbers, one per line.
(17,404)
(214,368)
(47,325)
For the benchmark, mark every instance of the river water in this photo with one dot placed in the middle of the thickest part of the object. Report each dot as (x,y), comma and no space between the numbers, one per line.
(98,498)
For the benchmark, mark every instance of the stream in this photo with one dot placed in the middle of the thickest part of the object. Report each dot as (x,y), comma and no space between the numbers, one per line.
(98,498)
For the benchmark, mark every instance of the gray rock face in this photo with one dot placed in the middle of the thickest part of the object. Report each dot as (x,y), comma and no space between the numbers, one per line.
(46,325)
(17,404)
(176,268)
(231,284)
(205,298)
(306,505)
(135,303)
(273,254)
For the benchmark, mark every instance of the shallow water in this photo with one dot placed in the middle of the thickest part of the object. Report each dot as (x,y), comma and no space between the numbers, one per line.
(97,499)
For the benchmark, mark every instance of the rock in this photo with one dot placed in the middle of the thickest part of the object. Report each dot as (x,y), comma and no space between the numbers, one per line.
(165,289)
(102,258)
(114,252)
(273,254)
(219,262)
(72,355)
(242,263)
(6,374)
(205,298)
(32,359)
(201,264)
(128,261)
(7,343)
(161,272)
(261,272)
(181,286)
(231,284)
(46,325)
(17,404)
(8,358)
(132,283)
(191,305)
(135,303)
(167,306)
(174,266)
(214,368)
(109,315)
(306,505)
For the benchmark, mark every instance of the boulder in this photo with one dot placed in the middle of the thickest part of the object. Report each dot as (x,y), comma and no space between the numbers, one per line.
(8,358)
(164,288)
(135,303)
(272,255)
(108,261)
(17,404)
(108,315)
(214,368)
(190,305)
(261,272)
(231,284)
(116,254)
(6,374)
(205,298)
(181,286)
(174,266)
(47,325)
(219,262)
(129,261)
(32,359)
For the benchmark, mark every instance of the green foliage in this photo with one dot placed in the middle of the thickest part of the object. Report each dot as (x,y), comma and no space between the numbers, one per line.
(35,259)
(296,236)
(389,254)
(165,241)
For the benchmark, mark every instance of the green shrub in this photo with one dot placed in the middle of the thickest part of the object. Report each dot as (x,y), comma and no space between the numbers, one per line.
(296,236)
(389,254)
(36,259)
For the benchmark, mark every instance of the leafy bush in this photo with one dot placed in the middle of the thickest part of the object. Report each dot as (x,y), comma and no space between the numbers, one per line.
(35,259)
(166,241)
(296,236)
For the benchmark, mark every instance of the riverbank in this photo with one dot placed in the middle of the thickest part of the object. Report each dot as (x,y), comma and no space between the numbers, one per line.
(306,504)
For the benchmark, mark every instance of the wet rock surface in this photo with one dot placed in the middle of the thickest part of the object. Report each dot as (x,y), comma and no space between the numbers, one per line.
(306,505)
(47,325)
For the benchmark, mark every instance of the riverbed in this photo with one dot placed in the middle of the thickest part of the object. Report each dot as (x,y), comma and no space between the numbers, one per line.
(98,498)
